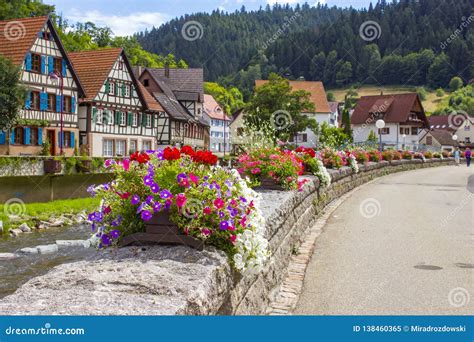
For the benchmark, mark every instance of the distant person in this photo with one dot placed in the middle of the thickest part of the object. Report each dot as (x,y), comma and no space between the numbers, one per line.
(457,156)
(467,154)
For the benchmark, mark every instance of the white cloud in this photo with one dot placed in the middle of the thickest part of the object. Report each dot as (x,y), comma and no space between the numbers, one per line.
(121,25)
(294,2)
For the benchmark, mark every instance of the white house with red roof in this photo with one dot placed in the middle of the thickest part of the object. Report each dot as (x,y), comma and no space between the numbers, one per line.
(220,141)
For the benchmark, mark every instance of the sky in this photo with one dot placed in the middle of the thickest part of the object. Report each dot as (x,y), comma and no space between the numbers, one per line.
(126,17)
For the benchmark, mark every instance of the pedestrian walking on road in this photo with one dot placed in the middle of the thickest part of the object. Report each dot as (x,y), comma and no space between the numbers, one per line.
(467,154)
(457,156)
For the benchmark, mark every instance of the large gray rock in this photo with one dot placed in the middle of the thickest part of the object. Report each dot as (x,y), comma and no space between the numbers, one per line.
(158,281)
(24,228)
(29,250)
(8,256)
(70,243)
(47,249)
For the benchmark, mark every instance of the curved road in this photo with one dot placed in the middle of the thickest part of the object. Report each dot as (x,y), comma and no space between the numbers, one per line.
(402,244)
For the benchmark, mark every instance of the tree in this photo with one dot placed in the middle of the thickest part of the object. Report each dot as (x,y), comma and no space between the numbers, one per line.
(11,9)
(421,91)
(372,138)
(344,75)
(229,99)
(455,83)
(276,103)
(439,92)
(332,136)
(12,93)
(440,72)
(330,96)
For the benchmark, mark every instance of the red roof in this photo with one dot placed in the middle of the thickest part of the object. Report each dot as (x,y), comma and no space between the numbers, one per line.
(394,108)
(316,89)
(150,101)
(213,109)
(93,67)
(18,36)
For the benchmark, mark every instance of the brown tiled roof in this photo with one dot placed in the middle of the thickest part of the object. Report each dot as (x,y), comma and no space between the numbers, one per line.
(150,101)
(213,109)
(318,94)
(399,107)
(18,35)
(441,122)
(443,136)
(93,67)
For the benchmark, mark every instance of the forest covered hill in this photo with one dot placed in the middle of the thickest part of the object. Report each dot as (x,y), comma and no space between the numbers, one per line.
(416,42)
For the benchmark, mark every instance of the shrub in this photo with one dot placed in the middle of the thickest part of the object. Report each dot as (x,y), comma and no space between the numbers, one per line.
(437,155)
(445,154)
(361,155)
(375,155)
(428,154)
(407,155)
(332,159)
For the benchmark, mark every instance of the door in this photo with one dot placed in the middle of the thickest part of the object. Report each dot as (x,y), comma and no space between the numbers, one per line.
(52,142)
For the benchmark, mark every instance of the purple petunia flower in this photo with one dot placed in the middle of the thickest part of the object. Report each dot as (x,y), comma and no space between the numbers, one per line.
(154,188)
(242,199)
(93,227)
(105,239)
(141,207)
(165,194)
(135,199)
(146,215)
(224,225)
(181,176)
(117,221)
(168,204)
(221,214)
(148,180)
(149,200)
(114,234)
(157,207)
(92,216)
(91,190)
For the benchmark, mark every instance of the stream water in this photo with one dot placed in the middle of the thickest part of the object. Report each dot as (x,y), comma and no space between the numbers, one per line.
(15,272)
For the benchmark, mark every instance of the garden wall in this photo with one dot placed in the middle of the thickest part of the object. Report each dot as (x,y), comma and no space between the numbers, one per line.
(178,280)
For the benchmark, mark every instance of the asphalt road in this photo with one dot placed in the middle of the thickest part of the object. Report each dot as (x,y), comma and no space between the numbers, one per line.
(402,244)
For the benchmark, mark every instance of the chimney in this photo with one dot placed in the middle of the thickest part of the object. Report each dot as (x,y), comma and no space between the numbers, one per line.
(139,70)
(167,70)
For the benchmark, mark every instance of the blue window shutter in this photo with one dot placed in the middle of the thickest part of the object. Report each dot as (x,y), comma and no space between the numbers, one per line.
(26,138)
(28,100)
(2,138)
(64,71)
(43,101)
(40,136)
(50,64)
(73,104)
(73,142)
(12,136)
(60,140)
(43,64)
(58,103)
(28,62)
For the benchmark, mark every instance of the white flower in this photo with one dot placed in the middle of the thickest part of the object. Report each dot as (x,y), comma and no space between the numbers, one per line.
(353,164)
(323,174)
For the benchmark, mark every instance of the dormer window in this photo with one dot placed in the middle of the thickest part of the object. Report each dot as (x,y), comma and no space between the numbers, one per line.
(111,88)
(146,83)
(35,62)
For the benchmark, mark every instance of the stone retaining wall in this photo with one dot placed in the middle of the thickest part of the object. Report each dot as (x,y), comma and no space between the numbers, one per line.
(177,280)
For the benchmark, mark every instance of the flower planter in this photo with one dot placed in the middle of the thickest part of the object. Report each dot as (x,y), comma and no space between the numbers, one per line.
(267,183)
(52,166)
(161,231)
(84,166)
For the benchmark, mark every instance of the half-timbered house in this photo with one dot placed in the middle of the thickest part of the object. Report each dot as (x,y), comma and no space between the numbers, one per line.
(180,92)
(52,89)
(117,116)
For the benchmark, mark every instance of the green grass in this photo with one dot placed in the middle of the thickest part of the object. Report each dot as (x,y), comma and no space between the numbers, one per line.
(45,211)
(430,104)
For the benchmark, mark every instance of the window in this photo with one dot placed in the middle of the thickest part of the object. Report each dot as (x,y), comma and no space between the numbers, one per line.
(414,131)
(108,148)
(58,64)
(19,136)
(146,145)
(123,120)
(133,146)
(67,139)
(240,131)
(148,120)
(51,102)
(127,90)
(34,136)
(35,62)
(405,130)
(67,104)
(108,117)
(120,147)
(120,65)
(146,83)
(46,35)
(467,128)
(135,120)
(100,117)
(35,100)
(111,88)
(384,131)
(467,140)
(429,140)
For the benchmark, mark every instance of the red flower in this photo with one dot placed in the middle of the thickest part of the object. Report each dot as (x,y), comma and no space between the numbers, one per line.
(188,150)
(205,157)
(171,154)
(141,158)
(124,196)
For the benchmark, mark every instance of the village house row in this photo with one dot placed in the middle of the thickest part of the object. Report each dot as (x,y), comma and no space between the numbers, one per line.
(104,106)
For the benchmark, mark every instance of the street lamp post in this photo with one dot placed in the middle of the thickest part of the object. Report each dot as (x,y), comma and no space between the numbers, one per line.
(55,77)
(380,124)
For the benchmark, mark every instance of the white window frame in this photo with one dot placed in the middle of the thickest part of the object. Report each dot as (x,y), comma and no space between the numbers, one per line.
(112,88)
(127,90)
(105,150)
(110,117)
(146,142)
(134,142)
(148,121)
(118,143)
(123,119)
(135,120)
(99,119)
